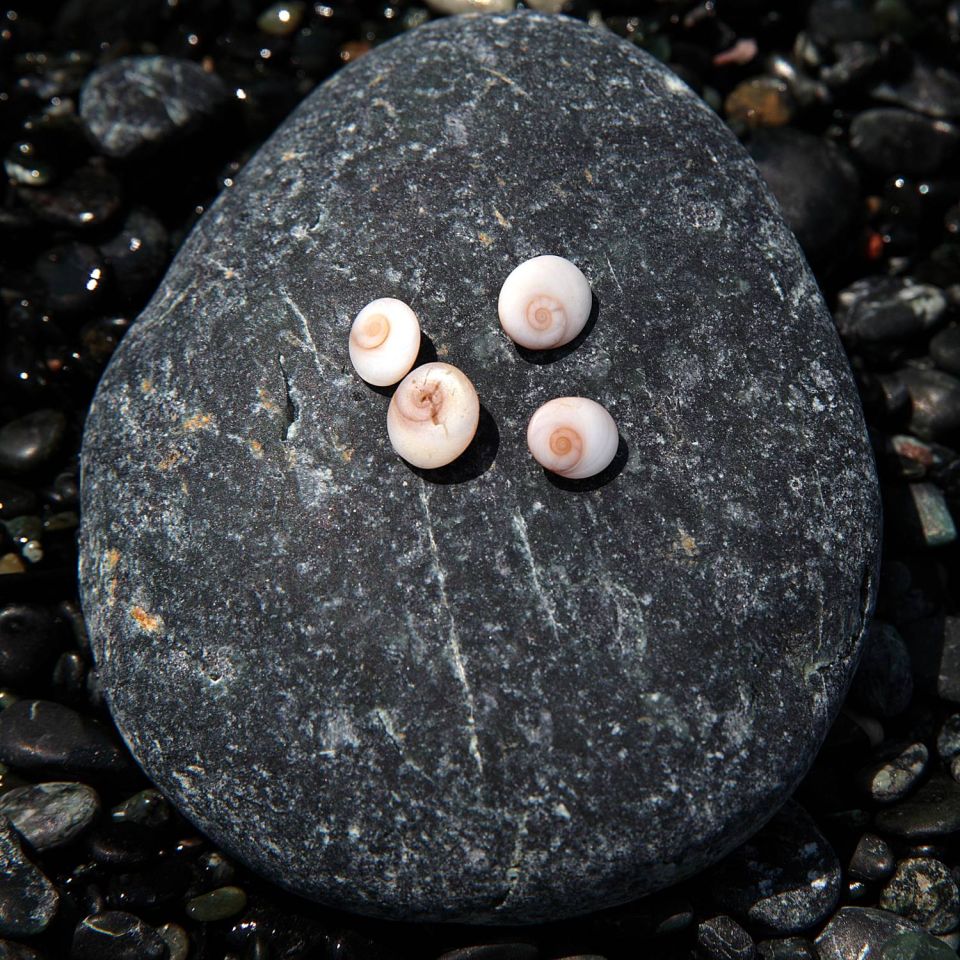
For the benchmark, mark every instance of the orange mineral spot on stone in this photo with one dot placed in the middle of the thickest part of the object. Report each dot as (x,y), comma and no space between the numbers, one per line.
(113,558)
(146,620)
(257,447)
(197,422)
(146,385)
(486,239)
(170,460)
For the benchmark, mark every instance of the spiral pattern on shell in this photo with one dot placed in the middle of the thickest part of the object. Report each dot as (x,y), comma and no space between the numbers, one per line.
(574,437)
(384,341)
(433,415)
(544,303)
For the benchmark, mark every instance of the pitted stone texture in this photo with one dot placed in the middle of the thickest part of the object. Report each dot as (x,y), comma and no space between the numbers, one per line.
(481,694)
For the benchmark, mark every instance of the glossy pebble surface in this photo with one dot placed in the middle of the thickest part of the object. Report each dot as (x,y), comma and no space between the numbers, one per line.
(484,694)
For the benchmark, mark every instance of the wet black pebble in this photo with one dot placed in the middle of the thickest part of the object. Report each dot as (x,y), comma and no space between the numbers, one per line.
(883,309)
(148,889)
(722,938)
(883,683)
(73,275)
(948,667)
(816,184)
(47,738)
(123,844)
(860,932)
(785,879)
(28,901)
(138,102)
(89,198)
(896,773)
(901,143)
(493,951)
(30,441)
(933,811)
(788,948)
(945,350)
(30,642)
(137,255)
(116,935)
(948,738)
(48,815)
(925,891)
(872,859)
(926,88)
(934,401)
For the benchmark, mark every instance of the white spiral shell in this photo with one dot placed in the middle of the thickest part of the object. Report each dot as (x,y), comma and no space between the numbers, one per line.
(544,303)
(384,341)
(573,436)
(433,415)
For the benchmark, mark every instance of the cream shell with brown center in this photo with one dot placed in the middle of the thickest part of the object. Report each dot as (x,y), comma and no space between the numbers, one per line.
(574,437)
(384,341)
(433,415)
(544,303)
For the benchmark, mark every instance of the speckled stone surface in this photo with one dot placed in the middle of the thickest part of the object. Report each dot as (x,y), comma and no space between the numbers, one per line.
(482,693)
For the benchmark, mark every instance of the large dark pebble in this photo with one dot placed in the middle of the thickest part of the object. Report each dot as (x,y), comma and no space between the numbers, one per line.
(785,879)
(933,811)
(137,254)
(74,277)
(935,402)
(30,642)
(899,142)
(139,102)
(945,349)
(722,938)
(883,683)
(31,441)
(872,859)
(122,844)
(116,935)
(948,665)
(47,738)
(48,815)
(89,198)
(28,900)
(926,88)
(854,933)
(787,948)
(925,891)
(816,185)
(832,21)
(882,309)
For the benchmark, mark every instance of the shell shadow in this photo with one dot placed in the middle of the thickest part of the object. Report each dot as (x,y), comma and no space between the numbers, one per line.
(598,480)
(474,461)
(540,358)
(426,354)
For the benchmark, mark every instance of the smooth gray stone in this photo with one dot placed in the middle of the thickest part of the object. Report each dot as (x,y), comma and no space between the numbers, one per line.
(28,900)
(48,815)
(483,693)
(135,103)
(859,933)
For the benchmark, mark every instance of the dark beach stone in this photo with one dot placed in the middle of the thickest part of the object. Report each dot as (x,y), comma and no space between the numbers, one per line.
(872,859)
(897,772)
(46,737)
(122,844)
(831,21)
(138,102)
(929,89)
(815,184)
(787,948)
(899,142)
(883,309)
(137,254)
(527,724)
(883,683)
(15,500)
(945,350)
(48,815)
(948,739)
(935,402)
(147,889)
(30,441)
(116,935)
(933,811)
(28,901)
(18,951)
(30,642)
(925,891)
(855,932)
(948,661)
(722,938)
(216,905)
(917,946)
(90,197)
(785,879)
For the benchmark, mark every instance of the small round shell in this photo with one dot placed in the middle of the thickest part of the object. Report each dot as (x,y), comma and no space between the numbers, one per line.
(384,341)
(544,303)
(433,415)
(573,436)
